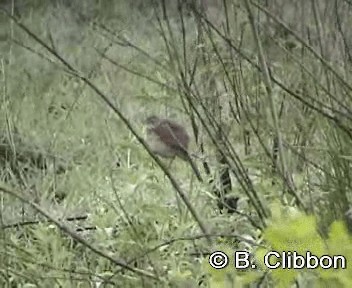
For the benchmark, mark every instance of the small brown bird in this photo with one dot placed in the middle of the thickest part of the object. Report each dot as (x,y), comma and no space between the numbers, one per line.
(168,139)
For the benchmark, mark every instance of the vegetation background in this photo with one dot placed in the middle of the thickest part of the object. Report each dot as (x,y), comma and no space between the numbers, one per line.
(263,87)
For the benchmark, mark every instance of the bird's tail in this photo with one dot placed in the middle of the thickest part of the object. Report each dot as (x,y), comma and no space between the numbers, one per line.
(194,167)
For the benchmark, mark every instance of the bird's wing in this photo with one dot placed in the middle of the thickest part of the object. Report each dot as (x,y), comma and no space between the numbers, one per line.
(173,135)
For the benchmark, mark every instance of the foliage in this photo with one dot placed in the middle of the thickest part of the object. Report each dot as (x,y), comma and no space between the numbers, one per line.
(266,99)
(291,233)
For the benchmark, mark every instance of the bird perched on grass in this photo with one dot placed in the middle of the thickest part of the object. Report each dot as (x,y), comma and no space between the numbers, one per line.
(169,139)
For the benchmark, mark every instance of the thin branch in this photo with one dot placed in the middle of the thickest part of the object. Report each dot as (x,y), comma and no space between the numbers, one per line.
(109,103)
(74,235)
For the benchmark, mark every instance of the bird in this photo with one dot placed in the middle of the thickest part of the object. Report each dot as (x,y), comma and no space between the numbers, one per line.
(169,139)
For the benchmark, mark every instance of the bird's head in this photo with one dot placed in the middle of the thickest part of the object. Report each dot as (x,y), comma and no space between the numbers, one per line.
(152,120)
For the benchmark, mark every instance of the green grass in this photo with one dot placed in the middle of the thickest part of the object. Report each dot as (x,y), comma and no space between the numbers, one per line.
(111,177)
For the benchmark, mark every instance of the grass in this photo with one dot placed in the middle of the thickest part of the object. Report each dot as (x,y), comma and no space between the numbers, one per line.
(139,219)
